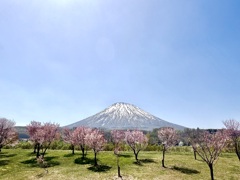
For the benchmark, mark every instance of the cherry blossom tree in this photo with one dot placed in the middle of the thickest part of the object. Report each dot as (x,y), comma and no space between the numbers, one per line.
(8,133)
(193,134)
(79,135)
(168,137)
(42,135)
(137,141)
(95,140)
(209,146)
(118,137)
(233,129)
(48,134)
(32,129)
(69,138)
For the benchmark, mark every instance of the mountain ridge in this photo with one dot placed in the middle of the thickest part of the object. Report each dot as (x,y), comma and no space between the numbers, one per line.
(122,115)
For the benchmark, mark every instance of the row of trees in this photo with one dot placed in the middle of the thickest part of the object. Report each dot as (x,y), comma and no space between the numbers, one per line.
(94,138)
(207,145)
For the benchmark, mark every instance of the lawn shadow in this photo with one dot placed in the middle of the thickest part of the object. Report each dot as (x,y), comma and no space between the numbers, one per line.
(6,155)
(33,162)
(69,155)
(35,154)
(140,162)
(185,170)
(147,161)
(125,155)
(4,162)
(49,158)
(31,153)
(99,168)
(51,163)
(84,161)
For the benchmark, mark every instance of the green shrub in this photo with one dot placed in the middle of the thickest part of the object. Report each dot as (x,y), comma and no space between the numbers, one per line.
(25,145)
(109,147)
(154,147)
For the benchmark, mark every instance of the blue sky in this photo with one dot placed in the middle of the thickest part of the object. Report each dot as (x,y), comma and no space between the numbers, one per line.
(64,60)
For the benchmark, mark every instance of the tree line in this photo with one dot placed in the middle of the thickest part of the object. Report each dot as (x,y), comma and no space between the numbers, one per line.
(206,144)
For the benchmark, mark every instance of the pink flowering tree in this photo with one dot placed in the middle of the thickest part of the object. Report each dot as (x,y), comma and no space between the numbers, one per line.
(233,129)
(95,140)
(168,137)
(79,135)
(48,134)
(193,134)
(8,133)
(42,135)
(209,146)
(118,137)
(137,141)
(69,138)
(32,129)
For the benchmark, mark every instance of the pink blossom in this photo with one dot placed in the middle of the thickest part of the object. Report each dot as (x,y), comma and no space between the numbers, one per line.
(7,132)
(137,141)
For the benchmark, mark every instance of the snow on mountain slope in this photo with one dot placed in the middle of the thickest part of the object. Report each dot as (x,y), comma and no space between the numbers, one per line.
(124,116)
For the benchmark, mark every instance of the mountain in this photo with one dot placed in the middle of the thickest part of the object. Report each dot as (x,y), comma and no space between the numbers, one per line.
(124,116)
(22,132)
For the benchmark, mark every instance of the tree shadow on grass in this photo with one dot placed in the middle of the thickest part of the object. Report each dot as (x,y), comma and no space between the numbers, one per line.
(139,163)
(144,161)
(147,161)
(125,155)
(69,155)
(33,162)
(6,155)
(35,154)
(100,168)
(50,162)
(49,158)
(185,170)
(31,154)
(4,162)
(84,161)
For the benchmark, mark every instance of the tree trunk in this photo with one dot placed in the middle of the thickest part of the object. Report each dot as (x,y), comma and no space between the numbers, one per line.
(163,165)
(73,149)
(211,170)
(83,150)
(238,154)
(35,147)
(43,152)
(119,174)
(195,154)
(95,159)
(38,150)
(136,156)
(236,150)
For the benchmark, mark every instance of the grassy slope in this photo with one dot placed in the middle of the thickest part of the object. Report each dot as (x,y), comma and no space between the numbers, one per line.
(21,164)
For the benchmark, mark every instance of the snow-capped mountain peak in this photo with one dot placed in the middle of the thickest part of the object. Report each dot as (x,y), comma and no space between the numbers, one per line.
(124,116)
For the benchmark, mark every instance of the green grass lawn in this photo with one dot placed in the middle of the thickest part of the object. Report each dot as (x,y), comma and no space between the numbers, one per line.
(21,164)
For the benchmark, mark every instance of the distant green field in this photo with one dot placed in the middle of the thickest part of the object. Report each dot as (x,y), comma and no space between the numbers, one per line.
(21,164)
